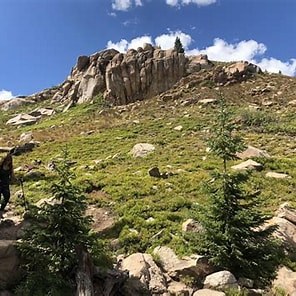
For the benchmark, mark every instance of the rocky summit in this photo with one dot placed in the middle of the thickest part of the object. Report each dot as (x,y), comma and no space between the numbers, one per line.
(136,127)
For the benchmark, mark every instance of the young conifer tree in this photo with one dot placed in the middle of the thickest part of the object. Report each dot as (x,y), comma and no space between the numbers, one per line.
(48,248)
(178,45)
(233,235)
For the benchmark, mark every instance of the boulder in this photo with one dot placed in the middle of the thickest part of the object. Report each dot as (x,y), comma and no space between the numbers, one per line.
(286,280)
(287,212)
(248,165)
(9,262)
(103,219)
(22,119)
(195,265)
(142,267)
(178,289)
(286,231)
(142,149)
(208,292)
(251,152)
(221,280)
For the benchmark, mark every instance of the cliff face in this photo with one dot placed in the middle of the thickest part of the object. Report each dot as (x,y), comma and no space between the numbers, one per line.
(125,78)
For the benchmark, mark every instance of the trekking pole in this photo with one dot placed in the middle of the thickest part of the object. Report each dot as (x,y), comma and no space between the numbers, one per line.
(23,193)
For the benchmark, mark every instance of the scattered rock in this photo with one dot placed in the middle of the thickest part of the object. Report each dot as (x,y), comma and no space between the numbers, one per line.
(154,172)
(178,289)
(221,280)
(191,225)
(208,292)
(286,212)
(277,175)
(26,137)
(195,265)
(103,219)
(248,165)
(142,267)
(22,119)
(286,280)
(205,102)
(178,128)
(142,149)
(251,152)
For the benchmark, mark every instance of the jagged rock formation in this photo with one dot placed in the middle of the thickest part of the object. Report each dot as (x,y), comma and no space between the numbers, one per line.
(139,74)
(125,78)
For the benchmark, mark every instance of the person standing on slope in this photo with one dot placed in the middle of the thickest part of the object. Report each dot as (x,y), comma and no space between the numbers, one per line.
(6,176)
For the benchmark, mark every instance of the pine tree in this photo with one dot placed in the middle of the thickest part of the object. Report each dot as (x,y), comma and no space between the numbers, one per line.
(233,235)
(48,246)
(178,45)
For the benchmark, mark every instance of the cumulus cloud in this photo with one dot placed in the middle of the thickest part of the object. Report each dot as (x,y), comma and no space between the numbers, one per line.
(223,51)
(186,2)
(274,65)
(5,95)
(166,41)
(123,45)
(220,50)
(125,5)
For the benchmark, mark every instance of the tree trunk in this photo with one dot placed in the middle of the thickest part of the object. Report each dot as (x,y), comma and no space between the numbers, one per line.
(84,275)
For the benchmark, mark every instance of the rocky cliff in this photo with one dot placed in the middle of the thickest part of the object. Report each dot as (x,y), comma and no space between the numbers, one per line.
(136,75)
(125,78)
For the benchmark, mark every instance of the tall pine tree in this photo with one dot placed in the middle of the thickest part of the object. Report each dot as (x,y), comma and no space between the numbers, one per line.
(233,236)
(178,45)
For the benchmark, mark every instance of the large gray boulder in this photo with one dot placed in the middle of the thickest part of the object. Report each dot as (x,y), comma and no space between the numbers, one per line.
(221,280)
(142,149)
(195,265)
(285,280)
(142,267)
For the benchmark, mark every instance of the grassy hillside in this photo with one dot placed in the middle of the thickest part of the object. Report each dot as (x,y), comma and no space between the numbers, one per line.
(99,141)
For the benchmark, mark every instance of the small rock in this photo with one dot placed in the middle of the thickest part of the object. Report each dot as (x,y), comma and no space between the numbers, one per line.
(26,137)
(208,292)
(248,165)
(205,102)
(221,280)
(277,175)
(178,289)
(191,225)
(142,149)
(245,282)
(154,172)
(178,128)
(252,152)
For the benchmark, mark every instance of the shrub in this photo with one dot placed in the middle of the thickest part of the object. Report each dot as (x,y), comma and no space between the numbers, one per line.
(48,248)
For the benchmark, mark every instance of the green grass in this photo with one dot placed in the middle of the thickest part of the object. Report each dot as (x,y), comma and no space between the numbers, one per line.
(103,161)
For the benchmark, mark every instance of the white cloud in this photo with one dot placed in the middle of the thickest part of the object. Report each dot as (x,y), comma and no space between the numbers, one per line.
(166,41)
(121,4)
(123,45)
(223,51)
(120,46)
(139,41)
(5,95)
(125,5)
(274,65)
(186,2)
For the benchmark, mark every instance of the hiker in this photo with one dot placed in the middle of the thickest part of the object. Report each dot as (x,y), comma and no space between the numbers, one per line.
(6,176)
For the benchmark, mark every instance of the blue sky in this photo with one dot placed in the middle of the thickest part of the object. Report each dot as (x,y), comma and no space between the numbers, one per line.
(40,40)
